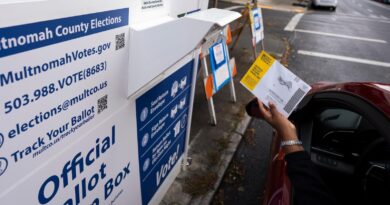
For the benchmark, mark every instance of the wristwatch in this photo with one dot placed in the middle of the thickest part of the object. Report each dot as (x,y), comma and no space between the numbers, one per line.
(290,142)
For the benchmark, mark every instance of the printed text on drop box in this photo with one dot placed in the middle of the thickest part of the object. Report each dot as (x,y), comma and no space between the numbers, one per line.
(162,120)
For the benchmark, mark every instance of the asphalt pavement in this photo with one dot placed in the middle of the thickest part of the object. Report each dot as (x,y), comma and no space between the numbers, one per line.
(350,44)
(244,180)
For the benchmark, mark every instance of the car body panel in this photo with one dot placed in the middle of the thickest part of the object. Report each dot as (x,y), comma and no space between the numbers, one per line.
(327,3)
(377,94)
(278,186)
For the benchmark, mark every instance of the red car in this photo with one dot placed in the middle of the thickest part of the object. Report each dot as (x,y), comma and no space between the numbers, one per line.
(346,130)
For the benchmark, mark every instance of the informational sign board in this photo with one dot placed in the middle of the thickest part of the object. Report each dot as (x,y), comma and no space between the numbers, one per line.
(162,120)
(268,80)
(65,137)
(219,61)
(257,25)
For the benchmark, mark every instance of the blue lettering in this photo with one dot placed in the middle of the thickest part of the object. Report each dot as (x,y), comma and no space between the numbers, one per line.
(111,183)
(6,79)
(76,166)
(165,168)
(108,188)
(42,198)
(20,154)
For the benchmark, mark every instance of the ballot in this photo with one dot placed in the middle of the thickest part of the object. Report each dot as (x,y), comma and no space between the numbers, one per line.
(269,81)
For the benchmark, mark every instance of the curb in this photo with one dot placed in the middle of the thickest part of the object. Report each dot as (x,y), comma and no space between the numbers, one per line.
(226,158)
(179,197)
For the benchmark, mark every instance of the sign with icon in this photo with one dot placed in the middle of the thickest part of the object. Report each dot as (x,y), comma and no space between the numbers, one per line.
(257,25)
(162,128)
(219,61)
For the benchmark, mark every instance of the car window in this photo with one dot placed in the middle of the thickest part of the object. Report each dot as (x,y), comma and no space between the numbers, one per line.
(342,131)
(339,119)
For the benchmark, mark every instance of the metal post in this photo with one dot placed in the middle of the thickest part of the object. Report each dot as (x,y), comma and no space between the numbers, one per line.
(186,159)
(233,97)
(210,102)
(254,48)
(252,29)
(262,43)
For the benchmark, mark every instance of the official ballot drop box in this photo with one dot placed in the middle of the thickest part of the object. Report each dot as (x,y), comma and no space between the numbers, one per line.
(95,99)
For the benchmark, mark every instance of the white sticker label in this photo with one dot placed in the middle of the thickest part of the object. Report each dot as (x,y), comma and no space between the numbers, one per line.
(152,4)
(218,53)
(221,75)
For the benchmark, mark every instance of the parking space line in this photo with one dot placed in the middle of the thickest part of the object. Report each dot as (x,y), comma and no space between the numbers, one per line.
(377,4)
(293,22)
(357,13)
(344,58)
(365,18)
(341,36)
(355,17)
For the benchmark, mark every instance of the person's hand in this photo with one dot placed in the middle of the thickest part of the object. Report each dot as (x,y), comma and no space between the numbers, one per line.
(286,130)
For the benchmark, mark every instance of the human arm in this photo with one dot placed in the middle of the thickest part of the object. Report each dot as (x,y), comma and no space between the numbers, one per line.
(284,128)
(309,188)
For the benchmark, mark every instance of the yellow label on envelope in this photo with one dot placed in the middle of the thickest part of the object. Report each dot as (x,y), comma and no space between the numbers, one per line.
(257,70)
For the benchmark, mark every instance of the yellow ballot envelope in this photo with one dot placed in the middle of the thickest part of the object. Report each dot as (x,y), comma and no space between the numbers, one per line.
(269,80)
